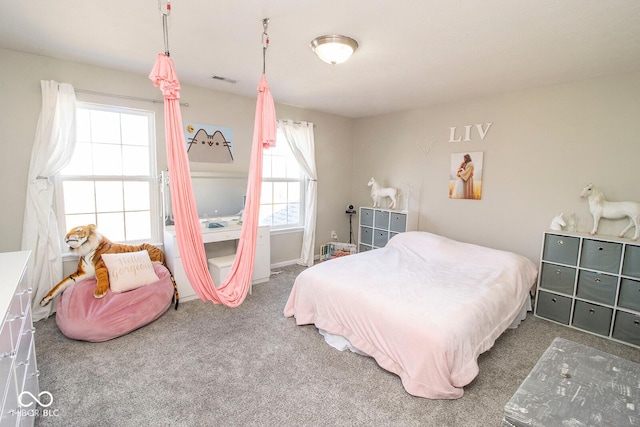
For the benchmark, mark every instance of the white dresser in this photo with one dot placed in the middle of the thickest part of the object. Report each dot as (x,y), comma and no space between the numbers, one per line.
(232,231)
(18,370)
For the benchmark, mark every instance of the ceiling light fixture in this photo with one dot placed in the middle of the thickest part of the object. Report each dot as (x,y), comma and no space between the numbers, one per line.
(334,49)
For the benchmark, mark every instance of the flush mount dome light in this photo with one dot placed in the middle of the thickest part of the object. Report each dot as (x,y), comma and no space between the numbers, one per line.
(334,49)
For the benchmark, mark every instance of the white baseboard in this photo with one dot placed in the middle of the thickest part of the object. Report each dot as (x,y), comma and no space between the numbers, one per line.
(290,262)
(284,263)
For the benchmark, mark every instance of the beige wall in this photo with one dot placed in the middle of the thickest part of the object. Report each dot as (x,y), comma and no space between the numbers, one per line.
(544,145)
(20,76)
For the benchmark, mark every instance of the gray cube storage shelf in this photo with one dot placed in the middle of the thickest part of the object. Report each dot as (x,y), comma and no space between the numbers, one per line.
(377,226)
(591,283)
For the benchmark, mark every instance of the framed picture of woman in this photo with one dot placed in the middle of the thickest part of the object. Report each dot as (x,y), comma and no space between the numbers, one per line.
(465,175)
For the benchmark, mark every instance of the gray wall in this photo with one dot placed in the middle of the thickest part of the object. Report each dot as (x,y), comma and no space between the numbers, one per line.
(20,77)
(544,145)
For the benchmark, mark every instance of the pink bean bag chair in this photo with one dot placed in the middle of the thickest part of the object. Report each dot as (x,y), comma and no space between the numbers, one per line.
(81,316)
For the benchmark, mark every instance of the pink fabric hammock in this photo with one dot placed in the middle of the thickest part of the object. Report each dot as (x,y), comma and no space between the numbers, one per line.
(234,289)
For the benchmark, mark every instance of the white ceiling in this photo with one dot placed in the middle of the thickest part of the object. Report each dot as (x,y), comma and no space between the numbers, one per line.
(412,53)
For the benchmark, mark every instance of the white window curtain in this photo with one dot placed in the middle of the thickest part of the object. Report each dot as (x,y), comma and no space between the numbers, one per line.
(299,136)
(53,147)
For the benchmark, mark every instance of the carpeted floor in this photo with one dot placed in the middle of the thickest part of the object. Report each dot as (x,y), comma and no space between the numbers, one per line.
(209,365)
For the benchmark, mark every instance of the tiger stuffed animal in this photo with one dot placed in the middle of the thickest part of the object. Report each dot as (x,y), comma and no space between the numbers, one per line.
(89,244)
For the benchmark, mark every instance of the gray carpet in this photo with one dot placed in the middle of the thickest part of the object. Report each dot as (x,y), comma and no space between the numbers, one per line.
(209,365)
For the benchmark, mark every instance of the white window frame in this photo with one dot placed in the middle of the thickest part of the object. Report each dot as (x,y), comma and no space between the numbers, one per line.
(152,178)
(302,180)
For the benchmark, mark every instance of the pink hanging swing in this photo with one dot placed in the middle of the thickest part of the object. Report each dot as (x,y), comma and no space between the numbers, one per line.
(236,285)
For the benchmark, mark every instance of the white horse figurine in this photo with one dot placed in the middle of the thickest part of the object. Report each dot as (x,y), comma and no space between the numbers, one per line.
(378,193)
(601,208)
(557,222)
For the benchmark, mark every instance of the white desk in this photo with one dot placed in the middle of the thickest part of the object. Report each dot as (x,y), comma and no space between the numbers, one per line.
(232,231)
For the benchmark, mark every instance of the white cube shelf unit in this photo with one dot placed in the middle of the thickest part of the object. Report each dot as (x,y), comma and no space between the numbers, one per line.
(591,283)
(377,226)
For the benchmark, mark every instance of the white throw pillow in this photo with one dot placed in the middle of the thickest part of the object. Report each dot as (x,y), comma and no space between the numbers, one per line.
(130,270)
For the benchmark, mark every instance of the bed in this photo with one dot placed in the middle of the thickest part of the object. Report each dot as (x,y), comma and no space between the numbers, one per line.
(424,306)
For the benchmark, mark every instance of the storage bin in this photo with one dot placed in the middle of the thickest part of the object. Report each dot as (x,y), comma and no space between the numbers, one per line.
(593,318)
(336,249)
(627,328)
(366,235)
(398,222)
(597,287)
(629,296)
(366,217)
(631,263)
(561,249)
(599,255)
(380,238)
(553,307)
(558,278)
(381,219)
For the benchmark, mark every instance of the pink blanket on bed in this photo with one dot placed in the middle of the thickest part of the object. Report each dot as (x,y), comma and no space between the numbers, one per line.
(425,307)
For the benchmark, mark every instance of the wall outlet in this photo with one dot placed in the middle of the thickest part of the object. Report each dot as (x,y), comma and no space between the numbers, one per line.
(334,235)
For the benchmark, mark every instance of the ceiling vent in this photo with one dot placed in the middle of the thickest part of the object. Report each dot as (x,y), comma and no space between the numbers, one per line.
(224,79)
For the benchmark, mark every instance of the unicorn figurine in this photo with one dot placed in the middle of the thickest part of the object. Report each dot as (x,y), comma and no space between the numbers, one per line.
(558,222)
(601,208)
(378,193)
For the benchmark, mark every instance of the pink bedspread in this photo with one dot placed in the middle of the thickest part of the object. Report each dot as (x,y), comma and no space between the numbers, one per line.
(425,307)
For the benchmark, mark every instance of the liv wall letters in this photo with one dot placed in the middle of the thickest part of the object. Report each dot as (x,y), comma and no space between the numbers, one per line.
(482,129)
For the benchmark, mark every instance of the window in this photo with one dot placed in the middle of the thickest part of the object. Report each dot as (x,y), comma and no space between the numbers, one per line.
(282,187)
(110,180)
